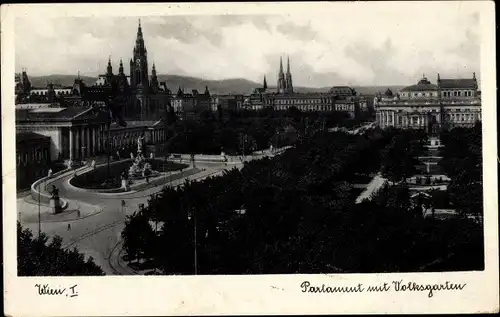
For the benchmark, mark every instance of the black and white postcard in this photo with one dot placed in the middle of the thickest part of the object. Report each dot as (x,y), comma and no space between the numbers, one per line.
(239,158)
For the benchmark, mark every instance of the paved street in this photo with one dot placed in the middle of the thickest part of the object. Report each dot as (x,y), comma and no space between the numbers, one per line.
(96,228)
(376,182)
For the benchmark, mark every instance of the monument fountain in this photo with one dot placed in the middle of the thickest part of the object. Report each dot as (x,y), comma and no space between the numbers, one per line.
(140,168)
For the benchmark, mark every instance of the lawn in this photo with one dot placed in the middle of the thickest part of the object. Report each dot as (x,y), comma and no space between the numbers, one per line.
(97,179)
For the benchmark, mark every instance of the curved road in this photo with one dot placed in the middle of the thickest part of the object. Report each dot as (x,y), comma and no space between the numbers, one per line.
(98,233)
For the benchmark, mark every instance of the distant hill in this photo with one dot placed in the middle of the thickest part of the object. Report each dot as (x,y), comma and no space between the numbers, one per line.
(63,80)
(225,86)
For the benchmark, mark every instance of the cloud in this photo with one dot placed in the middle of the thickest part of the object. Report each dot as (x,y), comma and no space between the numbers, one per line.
(348,46)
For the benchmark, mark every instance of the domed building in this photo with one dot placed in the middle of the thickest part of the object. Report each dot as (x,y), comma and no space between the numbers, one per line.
(449,103)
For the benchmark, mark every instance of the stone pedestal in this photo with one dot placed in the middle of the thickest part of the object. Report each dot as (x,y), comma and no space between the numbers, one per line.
(125,185)
(55,205)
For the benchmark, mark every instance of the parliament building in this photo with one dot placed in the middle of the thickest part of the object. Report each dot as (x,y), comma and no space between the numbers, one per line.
(71,124)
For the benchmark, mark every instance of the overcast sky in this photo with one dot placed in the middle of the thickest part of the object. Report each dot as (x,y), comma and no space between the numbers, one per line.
(353,47)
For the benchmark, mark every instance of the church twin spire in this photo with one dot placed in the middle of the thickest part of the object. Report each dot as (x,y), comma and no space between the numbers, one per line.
(285,84)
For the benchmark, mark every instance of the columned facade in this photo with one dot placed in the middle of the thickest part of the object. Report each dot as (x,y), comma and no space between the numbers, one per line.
(451,103)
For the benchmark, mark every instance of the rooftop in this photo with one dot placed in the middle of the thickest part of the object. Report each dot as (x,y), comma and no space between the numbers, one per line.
(49,114)
(27,136)
(135,124)
(458,83)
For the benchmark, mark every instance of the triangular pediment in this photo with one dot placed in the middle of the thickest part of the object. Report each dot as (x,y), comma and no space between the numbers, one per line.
(93,114)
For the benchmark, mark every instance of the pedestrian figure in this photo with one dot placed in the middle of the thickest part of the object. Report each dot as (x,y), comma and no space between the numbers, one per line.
(78,213)
(69,226)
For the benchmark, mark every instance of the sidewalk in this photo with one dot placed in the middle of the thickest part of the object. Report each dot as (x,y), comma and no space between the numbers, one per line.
(27,210)
(372,187)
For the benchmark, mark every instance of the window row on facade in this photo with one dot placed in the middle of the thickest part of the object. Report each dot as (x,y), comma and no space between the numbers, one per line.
(296,101)
(32,156)
(446,94)
(57,92)
(306,107)
(459,93)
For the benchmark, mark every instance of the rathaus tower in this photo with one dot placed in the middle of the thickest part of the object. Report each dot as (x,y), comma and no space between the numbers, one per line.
(139,78)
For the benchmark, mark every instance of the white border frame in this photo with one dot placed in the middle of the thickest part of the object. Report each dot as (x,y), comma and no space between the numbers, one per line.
(261,294)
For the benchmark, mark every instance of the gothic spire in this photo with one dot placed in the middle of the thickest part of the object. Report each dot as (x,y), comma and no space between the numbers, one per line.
(139,29)
(281,65)
(139,47)
(265,82)
(120,70)
(288,65)
(153,71)
(109,68)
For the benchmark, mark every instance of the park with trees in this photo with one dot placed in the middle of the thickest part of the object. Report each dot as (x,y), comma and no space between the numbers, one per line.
(244,131)
(296,213)
(462,162)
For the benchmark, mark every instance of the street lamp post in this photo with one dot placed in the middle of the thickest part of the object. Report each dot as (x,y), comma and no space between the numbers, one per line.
(39,213)
(195,243)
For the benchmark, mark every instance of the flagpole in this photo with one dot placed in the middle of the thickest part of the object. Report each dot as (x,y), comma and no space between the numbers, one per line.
(109,148)
(110,120)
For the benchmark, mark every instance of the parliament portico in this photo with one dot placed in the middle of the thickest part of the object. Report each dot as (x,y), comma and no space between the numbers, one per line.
(77,133)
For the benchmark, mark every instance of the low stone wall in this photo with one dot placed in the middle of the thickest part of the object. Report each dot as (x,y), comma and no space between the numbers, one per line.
(109,190)
(218,158)
(197,157)
(157,180)
(46,181)
(164,179)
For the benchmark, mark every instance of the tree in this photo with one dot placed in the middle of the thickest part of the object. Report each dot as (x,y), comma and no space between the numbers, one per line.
(399,159)
(138,236)
(295,213)
(37,257)
(462,162)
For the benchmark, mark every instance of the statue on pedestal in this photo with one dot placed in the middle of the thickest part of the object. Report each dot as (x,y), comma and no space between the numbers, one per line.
(54,200)
(124,177)
(54,192)
(140,143)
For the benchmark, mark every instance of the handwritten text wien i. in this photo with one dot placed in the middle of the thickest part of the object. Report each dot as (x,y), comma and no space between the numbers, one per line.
(394,286)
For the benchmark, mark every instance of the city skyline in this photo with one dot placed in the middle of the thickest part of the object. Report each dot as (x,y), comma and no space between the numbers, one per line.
(249,46)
